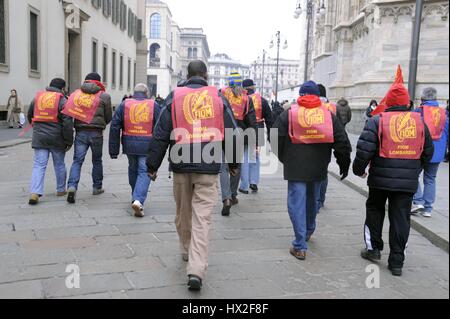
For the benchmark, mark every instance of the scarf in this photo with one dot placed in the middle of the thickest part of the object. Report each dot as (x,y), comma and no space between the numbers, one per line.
(309,101)
(98,83)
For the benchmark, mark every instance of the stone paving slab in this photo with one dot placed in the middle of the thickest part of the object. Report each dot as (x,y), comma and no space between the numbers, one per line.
(122,257)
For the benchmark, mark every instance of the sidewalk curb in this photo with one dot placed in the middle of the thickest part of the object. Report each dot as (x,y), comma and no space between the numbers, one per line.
(434,238)
(14,143)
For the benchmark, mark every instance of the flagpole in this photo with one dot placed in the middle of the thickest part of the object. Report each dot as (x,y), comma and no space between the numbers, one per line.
(413,62)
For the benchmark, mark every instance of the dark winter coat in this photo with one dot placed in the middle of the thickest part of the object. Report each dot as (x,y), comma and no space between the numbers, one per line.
(103,116)
(267,116)
(161,140)
(395,175)
(344,112)
(57,136)
(309,163)
(277,111)
(132,145)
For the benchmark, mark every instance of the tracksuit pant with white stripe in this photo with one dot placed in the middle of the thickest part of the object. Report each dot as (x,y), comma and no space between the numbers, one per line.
(399,219)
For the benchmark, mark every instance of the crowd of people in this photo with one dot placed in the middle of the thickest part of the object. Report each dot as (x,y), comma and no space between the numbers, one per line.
(396,146)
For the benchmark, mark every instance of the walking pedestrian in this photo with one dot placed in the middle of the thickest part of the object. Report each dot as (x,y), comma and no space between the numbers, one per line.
(437,122)
(372,106)
(52,134)
(132,126)
(308,132)
(344,112)
(251,165)
(90,106)
(189,109)
(15,108)
(395,144)
(244,114)
(277,109)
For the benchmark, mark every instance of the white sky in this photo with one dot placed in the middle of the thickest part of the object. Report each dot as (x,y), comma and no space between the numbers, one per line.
(242,28)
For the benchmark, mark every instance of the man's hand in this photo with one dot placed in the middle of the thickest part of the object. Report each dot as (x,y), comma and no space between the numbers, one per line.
(234,172)
(153,176)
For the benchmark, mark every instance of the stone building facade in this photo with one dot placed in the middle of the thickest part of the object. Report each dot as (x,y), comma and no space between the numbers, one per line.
(357,45)
(220,68)
(194,46)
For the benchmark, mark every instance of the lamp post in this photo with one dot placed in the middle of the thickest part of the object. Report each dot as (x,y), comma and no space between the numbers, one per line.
(413,61)
(278,36)
(263,69)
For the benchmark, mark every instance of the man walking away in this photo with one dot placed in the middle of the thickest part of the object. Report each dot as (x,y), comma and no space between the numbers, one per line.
(251,166)
(133,126)
(344,112)
(91,108)
(52,134)
(195,183)
(436,119)
(396,145)
(308,132)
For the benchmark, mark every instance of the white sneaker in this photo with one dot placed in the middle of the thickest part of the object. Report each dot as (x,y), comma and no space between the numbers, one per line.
(138,209)
(417,208)
(426,214)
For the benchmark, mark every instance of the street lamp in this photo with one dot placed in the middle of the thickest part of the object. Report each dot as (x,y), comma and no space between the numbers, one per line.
(285,46)
(262,75)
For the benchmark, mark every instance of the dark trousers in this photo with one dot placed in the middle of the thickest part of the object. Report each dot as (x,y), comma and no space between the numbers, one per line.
(399,219)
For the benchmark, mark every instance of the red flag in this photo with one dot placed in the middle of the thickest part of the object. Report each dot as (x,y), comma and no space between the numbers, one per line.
(398,80)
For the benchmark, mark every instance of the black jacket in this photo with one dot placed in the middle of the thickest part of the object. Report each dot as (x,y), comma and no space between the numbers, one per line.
(267,116)
(57,136)
(103,116)
(309,163)
(395,175)
(162,139)
(344,112)
(277,111)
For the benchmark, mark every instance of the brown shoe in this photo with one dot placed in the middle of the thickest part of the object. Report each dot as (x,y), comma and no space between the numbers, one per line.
(34,199)
(226,211)
(300,255)
(234,201)
(61,194)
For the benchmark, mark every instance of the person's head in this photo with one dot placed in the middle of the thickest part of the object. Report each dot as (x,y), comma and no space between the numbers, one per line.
(373,103)
(197,68)
(141,88)
(322,90)
(58,83)
(309,88)
(398,96)
(248,84)
(13,92)
(429,94)
(93,77)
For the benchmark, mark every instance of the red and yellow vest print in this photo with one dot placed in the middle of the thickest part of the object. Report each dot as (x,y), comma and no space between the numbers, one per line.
(82,106)
(435,119)
(401,135)
(239,104)
(331,107)
(310,126)
(197,115)
(46,107)
(138,118)
(257,104)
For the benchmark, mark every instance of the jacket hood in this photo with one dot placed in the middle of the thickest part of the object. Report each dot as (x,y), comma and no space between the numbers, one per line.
(53,89)
(90,88)
(309,101)
(342,103)
(196,80)
(398,108)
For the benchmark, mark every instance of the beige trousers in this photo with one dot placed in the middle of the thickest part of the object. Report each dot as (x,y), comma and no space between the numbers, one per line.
(196,195)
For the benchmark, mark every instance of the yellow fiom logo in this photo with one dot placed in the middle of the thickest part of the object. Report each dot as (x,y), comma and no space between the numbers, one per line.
(233,99)
(436,116)
(256,103)
(402,127)
(139,113)
(84,99)
(309,117)
(198,106)
(47,101)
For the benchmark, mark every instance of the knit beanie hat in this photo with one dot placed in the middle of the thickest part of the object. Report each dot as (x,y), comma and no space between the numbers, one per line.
(309,88)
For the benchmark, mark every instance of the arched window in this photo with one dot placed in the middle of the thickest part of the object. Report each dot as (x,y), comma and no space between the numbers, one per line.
(155,55)
(155,26)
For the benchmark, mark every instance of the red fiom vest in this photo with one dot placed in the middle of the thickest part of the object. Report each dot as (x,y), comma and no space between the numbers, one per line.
(257,104)
(82,106)
(401,135)
(435,119)
(239,104)
(310,126)
(138,118)
(197,115)
(331,107)
(46,107)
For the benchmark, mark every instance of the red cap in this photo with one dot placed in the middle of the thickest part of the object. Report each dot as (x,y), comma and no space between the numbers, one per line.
(397,96)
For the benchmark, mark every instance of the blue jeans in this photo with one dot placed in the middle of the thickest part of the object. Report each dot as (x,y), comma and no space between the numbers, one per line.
(138,177)
(427,197)
(303,208)
(250,170)
(41,157)
(83,141)
(323,193)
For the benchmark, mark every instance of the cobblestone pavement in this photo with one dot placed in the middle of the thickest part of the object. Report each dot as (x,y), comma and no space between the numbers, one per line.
(123,257)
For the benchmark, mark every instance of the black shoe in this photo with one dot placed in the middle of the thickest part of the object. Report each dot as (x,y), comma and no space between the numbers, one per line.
(195,283)
(71,197)
(243,192)
(254,188)
(234,201)
(372,255)
(397,272)
(226,211)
